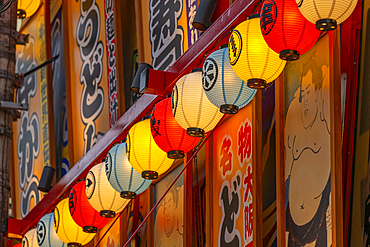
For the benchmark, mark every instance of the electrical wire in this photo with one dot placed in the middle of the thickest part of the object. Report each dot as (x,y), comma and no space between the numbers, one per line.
(6,6)
(174,181)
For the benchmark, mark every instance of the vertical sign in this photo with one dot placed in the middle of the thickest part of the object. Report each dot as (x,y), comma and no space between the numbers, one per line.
(88,74)
(43,94)
(191,10)
(59,88)
(30,151)
(111,60)
(166,35)
(167,30)
(307,148)
(232,193)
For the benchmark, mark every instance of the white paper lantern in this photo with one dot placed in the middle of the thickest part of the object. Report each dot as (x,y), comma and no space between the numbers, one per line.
(222,86)
(30,239)
(191,107)
(101,194)
(46,235)
(121,175)
(326,14)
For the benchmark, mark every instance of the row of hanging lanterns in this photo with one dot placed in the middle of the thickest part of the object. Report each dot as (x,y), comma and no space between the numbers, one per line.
(257,53)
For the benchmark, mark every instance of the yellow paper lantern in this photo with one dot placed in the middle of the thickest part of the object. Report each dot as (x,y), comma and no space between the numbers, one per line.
(30,239)
(144,154)
(250,57)
(192,109)
(326,14)
(27,8)
(67,230)
(101,195)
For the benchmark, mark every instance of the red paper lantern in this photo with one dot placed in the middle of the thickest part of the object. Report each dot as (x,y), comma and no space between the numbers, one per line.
(285,29)
(82,212)
(168,134)
(18,245)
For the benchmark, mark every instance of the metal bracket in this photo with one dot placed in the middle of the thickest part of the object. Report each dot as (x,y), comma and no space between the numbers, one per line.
(13,105)
(22,39)
(5,74)
(6,131)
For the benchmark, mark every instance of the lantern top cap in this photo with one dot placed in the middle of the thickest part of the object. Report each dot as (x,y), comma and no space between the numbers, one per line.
(253,16)
(147,117)
(224,46)
(196,70)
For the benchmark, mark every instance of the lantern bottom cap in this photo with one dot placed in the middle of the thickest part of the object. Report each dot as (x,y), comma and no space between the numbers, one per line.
(195,132)
(175,154)
(289,55)
(256,83)
(326,24)
(90,229)
(229,109)
(149,174)
(107,213)
(128,195)
(73,244)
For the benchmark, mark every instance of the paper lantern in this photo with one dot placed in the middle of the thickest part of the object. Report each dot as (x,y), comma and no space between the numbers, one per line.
(191,107)
(65,227)
(326,14)
(285,29)
(30,239)
(168,134)
(82,212)
(121,176)
(144,154)
(222,86)
(46,235)
(250,57)
(18,245)
(101,194)
(27,8)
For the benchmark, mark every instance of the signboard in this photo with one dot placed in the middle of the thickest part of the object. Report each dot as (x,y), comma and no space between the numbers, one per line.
(232,175)
(30,137)
(169,215)
(307,148)
(167,30)
(88,74)
(60,98)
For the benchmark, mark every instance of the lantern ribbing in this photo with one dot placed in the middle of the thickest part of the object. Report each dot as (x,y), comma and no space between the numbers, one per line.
(326,14)
(222,86)
(144,154)
(250,57)
(65,227)
(286,30)
(101,194)
(82,212)
(27,8)
(191,107)
(168,134)
(46,232)
(121,175)
(30,239)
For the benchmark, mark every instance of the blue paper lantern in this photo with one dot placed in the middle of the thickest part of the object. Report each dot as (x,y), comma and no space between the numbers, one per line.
(121,176)
(46,235)
(222,86)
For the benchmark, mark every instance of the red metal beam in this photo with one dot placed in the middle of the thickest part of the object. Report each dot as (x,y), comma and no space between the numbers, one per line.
(96,153)
(191,59)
